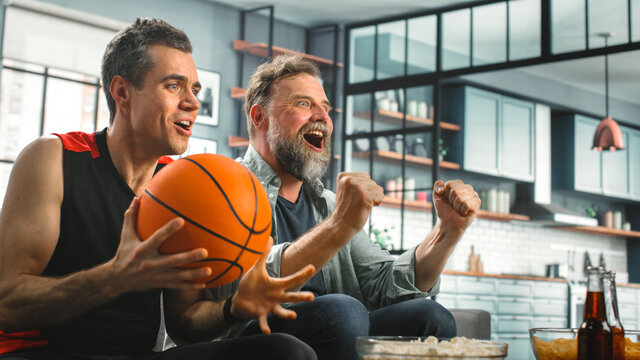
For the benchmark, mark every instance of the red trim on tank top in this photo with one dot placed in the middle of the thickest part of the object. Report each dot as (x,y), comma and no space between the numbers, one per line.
(80,142)
(10,342)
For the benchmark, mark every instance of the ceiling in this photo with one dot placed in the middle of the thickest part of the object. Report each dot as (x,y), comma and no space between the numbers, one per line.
(309,13)
(586,74)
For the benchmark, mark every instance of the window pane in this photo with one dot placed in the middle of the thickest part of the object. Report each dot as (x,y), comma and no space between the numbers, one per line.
(420,106)
(358,114)
(61,118)
(5,171)
(389,110)
(422,45)
(20,108)
(103,111)
(568,26)
(524,29)
(489,34)
(455,39)
(635,20)
(608,16)
(391,45)
(361,54)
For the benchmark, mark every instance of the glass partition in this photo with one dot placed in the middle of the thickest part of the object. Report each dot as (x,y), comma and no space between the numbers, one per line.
(422,44)
(361,54)
(635,20)
(568,26)
(490,34)
(456,39)
(389,111)
(609,16)
(391,50)
(61,118)
(524,29)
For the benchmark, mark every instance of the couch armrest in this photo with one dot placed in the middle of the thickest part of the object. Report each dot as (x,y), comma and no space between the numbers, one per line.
(471,323)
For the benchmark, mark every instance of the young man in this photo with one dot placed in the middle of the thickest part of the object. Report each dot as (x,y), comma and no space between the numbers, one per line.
(76,281)
(360,290)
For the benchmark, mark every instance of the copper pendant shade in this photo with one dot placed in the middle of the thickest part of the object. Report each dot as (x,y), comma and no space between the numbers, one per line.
(608,135)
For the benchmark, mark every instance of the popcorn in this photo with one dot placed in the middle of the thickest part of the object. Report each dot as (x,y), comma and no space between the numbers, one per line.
(432,348)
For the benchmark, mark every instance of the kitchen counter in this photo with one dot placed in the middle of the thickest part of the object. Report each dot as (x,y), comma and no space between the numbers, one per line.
(522,277)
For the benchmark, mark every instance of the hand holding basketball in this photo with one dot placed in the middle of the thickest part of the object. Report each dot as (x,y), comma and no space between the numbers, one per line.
(225,210)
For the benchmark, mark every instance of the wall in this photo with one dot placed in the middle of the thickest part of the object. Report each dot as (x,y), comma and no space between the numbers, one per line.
(212,29)
(513,247)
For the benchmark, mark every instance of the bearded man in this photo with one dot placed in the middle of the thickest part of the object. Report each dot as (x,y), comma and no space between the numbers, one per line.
(360,289)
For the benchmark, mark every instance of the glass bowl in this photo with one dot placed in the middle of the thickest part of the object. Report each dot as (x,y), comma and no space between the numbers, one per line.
(562,343)
(406,347)
(554,343)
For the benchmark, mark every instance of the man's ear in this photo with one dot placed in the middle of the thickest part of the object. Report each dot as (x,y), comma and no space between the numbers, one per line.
(120,90)
(259,117)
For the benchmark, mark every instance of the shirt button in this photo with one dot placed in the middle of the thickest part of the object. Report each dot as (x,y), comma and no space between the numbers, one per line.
(270,196)
(275,181)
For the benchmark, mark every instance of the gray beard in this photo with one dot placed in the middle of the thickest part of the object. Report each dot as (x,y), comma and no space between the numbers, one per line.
(295,156)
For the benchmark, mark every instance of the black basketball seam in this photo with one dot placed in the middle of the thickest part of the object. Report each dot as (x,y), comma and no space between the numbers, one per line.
(255,216)
(226,198)
(187,219)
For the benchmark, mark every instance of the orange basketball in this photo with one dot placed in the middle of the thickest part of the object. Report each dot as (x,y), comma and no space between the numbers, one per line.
(225,209)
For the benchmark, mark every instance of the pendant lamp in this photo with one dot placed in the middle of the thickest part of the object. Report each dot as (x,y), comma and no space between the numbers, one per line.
(608,135)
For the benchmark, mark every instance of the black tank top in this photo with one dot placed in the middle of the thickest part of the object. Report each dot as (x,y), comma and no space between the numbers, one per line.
(95,199)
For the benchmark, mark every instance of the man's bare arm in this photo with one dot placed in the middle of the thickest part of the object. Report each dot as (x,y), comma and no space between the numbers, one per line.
(456,205)
(29,230)
(356,195)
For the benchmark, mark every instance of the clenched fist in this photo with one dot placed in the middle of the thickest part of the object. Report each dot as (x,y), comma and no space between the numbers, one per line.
(356,195)
(456,204)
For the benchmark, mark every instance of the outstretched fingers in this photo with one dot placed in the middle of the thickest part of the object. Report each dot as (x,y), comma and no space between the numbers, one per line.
(298,278)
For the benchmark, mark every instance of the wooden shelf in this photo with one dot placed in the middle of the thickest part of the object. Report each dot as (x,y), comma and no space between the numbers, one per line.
(395,118)
(262,50)
(427,206)
(238,92)
(238,141)
(412,159)
(601,230)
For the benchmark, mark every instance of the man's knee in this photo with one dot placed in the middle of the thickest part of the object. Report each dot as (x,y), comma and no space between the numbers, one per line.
(343,313)
(436,319)
(286,346)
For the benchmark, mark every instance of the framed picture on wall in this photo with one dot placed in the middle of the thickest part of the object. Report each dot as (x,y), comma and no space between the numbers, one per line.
(209,97)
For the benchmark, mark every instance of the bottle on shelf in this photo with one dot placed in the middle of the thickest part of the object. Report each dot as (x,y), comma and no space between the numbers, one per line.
(594,334)
(613,317)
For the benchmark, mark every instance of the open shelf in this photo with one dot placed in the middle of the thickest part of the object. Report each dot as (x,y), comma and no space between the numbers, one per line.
(411,159)
(262,50)
(395,118)
(601,230)
(427,206)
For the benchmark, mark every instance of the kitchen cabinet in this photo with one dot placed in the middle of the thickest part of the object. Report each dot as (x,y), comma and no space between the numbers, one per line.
(497,132)
(515,305)
(576,166)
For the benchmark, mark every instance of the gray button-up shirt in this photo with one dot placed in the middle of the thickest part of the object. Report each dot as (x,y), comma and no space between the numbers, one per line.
(360,269)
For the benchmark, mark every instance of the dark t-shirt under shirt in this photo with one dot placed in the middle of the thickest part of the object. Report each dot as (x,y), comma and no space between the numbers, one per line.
(293,220)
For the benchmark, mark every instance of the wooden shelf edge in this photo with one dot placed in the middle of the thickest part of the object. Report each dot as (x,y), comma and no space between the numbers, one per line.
(483,214)
(396,117)
(261,50)
(238,141)
(600,230)
(238,92)
(396,203)
(394,156)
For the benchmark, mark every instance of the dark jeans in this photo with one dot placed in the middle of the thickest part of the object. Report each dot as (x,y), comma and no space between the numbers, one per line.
(331,323)
(272,347)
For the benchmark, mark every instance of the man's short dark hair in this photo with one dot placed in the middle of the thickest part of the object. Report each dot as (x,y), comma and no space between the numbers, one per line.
(128,54)
(267,74)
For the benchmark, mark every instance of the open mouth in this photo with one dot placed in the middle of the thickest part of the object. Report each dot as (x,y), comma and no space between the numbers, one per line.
(184,124)
(314,138)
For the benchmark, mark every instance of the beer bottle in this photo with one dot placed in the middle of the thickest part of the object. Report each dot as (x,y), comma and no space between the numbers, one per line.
(594,335)
(613,318)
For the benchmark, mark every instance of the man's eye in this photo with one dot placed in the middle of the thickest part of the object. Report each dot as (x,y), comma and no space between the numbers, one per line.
(173,86)
(196,92)
(304,103)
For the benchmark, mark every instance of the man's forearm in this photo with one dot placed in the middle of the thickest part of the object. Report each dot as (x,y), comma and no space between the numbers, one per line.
(202,321)
(31,302)
(316,247)
(432,254)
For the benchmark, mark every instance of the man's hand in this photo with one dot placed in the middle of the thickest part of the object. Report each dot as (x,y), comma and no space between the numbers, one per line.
(258,294)
(356,195)
(139,266)
(456,204)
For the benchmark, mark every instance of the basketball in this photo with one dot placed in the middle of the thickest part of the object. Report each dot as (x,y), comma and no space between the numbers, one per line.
(225,208)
